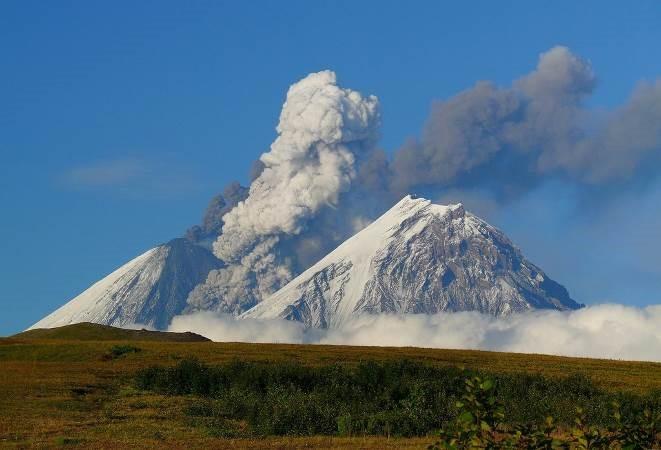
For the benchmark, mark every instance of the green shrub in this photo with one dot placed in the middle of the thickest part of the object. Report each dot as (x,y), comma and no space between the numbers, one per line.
(399,398)
(118,351)
(62,440)
(481,424)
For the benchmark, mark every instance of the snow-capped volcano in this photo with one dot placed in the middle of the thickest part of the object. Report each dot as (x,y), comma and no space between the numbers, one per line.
(418,257)
(148,290)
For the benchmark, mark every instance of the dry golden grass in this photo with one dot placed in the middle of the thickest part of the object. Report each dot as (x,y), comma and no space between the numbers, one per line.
(69,393)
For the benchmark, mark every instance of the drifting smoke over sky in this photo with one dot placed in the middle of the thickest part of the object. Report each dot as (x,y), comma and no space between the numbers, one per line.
(324,178)
(508,140)
(602,331)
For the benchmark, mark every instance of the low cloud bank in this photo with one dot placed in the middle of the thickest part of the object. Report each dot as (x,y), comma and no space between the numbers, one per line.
(601,331)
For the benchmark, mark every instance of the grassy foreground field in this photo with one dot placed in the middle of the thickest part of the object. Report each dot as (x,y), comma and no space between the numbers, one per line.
(59,390)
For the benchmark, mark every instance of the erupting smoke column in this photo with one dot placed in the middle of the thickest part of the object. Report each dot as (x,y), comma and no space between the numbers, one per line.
(324,130)
(321,131)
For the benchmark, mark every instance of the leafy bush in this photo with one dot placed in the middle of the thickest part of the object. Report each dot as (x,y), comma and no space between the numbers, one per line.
(480,424)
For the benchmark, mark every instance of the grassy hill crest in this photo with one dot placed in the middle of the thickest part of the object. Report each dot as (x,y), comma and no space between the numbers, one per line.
(87,331)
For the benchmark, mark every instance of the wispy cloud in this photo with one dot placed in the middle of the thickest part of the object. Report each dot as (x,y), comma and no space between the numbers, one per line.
(118,172)
(600,331)
(132,177)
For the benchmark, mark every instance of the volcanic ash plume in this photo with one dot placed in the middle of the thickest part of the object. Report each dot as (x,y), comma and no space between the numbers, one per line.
(506,141)
(323,133)
(487,132)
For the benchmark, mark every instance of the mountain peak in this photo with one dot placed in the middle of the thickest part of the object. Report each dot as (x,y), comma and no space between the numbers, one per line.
(412,201)
(418,257)
(413,206)
(148,290)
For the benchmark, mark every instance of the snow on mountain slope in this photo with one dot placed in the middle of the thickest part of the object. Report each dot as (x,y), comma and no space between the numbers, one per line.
(149,290)
(417,258)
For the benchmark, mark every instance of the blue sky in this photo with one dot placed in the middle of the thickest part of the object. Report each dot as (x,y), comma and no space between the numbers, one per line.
(120,120)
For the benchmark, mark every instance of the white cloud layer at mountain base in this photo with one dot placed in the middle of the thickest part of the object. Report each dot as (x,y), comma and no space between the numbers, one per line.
(602,331)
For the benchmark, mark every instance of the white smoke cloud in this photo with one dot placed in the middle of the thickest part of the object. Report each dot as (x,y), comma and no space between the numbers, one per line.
(601,331)
(322,130)
(323,134)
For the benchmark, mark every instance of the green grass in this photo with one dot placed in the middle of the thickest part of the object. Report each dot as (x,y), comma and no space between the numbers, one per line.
(57,387)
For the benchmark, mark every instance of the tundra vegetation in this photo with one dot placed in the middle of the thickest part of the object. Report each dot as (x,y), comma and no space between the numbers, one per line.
(406,398)
(90,387)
